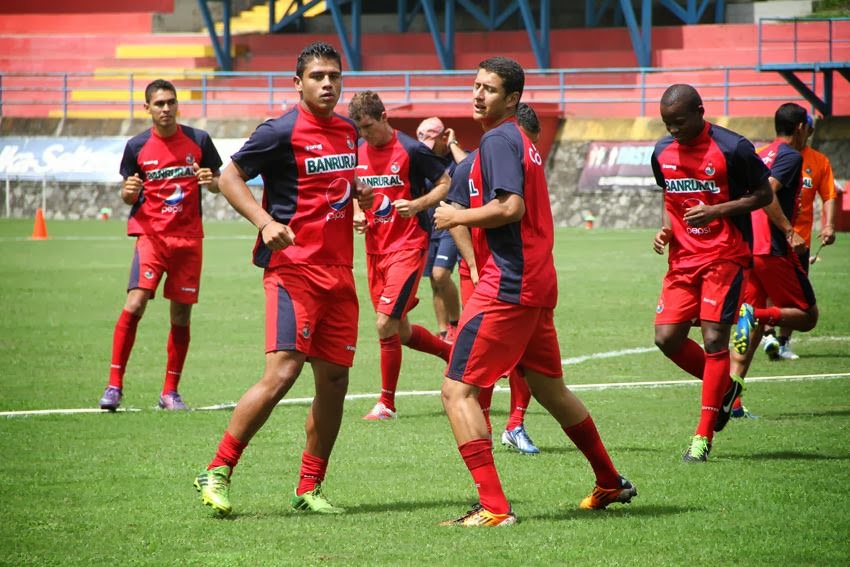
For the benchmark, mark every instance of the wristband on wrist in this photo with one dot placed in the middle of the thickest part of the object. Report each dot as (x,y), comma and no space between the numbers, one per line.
(268,222)
(454,143)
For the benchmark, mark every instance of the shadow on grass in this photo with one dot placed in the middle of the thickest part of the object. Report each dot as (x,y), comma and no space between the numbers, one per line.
(630,510)
(811,414)
(402,506)
(568,447)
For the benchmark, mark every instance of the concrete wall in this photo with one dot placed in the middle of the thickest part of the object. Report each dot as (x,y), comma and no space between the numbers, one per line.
(614,208)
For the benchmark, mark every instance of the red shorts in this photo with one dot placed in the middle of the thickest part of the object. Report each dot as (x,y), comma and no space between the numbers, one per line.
(312,309)
(177,256)
(466,288)
(493,337)
(709,293)
(780,279)
(393,281)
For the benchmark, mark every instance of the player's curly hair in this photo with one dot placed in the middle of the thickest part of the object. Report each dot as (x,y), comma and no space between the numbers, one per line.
(365,103)
(316,50)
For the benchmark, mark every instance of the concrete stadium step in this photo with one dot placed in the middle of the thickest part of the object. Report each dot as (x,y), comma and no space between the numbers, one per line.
(256,19)
(150,74)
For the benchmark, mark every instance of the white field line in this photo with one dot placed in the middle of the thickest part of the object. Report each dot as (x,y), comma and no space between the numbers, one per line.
(433,393)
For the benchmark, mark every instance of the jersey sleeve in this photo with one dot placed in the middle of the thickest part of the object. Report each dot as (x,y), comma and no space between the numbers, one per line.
(656,169)
(262,148)
(459,189)
(130,163)
(425,165)
(826,185)
(210,157)
(501,166)
(748,167)
(786,168)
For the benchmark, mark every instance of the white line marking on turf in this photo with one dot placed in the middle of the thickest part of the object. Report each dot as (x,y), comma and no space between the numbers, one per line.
(417,393)
(609,354)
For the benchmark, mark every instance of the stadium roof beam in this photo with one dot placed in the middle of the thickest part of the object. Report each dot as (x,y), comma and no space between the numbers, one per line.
(350,43)
(641,33)
(221,49)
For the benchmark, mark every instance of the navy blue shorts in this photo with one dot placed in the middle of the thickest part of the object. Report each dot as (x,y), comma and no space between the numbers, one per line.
(442,253)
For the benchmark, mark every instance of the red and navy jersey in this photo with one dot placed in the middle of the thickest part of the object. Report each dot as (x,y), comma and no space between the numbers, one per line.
(521,268)
(717,166)
(786,166)
(307,164)
(464,193)
(170,201)
(397,170)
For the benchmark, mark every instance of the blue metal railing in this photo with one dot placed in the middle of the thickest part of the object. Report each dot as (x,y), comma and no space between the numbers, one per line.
(814,42)
(585,91)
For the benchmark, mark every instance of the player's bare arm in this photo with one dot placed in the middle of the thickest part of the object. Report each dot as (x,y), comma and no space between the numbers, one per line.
(463,241)
(827,231)
(664,234)
(364,194)
(233,186)
(779,220)
(131,189)
(206,178)
(429,200)
(701,215)
(506,208)
(458,153)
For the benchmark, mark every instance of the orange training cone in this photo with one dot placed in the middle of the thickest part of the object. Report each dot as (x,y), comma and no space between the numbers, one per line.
(39,229)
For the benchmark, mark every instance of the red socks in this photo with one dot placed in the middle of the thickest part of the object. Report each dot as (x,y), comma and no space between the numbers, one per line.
(313,471)
(585,436)
(714,385)
(520,397)
(485,399)
(390,369)
(478,456)
(422,340)
(122,344)
(690,358)
(228,452)
(768,315)
(178,346)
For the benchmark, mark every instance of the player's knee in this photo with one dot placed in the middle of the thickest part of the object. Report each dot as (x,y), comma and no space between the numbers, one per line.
(811,320)
(136,303)
(440,278)
(667,343)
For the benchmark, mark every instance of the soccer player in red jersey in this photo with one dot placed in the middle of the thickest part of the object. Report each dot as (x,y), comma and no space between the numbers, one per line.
(307,159)
(514,436)
(778,291)
(819,180)
(395,166)
(164,169)
(712,179)
(508,321)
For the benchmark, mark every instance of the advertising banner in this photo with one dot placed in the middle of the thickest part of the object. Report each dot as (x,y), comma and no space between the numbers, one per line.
(617,165)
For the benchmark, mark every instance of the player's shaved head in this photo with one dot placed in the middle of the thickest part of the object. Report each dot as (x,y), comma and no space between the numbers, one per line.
(681,93)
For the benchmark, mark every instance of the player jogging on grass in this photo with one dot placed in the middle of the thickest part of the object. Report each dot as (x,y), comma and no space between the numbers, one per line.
(164,169)
(395,166)
(712,179)
(508,321)
(307,159)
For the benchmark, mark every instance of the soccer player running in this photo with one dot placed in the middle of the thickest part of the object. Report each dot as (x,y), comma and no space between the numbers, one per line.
(712,178)
(818,180)
(164,169)
(778,291)
(307,160)
(395,167)
(508,321)
(515,435)
(442,251)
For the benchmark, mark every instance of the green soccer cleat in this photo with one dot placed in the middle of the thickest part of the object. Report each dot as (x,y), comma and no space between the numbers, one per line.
(214,486)
(698,451)
(315,501)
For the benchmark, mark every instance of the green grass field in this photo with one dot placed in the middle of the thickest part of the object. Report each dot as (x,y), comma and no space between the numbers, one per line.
(96,488)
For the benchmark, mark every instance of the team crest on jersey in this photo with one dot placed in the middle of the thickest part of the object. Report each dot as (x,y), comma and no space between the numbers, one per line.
(350,143)
(305,331)
(149,274)
(709,169)
(808,171)
(660,307)
(190,159)
(394,168)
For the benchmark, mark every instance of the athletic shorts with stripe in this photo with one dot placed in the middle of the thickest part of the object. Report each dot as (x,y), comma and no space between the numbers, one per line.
(442,253)
(312,309)
(181,258)
(394,280)
(709,293)
(781,279)
(494,336)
